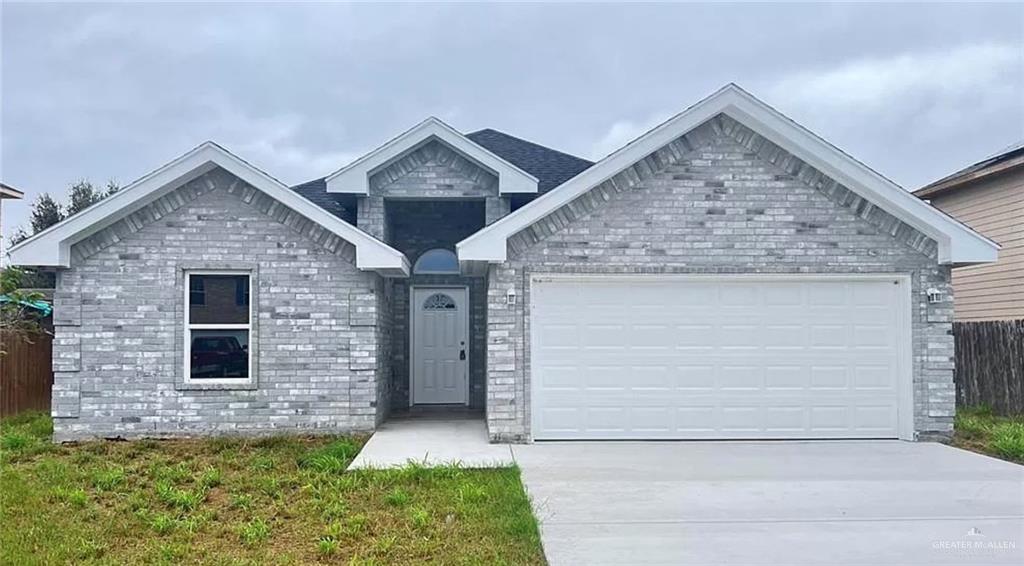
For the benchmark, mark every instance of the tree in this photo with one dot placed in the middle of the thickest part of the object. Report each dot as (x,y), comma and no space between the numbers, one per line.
(83,195)
(19,320)
(18,236)
(45,213)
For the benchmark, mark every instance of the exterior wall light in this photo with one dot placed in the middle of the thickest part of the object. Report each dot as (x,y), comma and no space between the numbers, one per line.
(934,295)
(510,297)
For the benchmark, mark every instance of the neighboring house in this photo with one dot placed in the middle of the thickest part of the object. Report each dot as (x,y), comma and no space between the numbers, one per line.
(726,275)
(6,192)
(989,197)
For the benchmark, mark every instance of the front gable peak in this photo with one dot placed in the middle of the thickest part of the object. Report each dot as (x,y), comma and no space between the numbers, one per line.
(355,177)
(957,243)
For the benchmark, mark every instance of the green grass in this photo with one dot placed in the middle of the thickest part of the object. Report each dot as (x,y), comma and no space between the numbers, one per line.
(979,430)
(281,500)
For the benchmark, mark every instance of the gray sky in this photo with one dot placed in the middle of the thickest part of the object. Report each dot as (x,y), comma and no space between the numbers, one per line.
(114,91)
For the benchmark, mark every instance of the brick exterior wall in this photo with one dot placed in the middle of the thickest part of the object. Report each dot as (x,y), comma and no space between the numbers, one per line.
(720,199)
(432,172)
(318,338)
(414,227)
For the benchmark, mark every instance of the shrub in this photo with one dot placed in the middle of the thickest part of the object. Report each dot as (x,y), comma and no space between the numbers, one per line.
(327,546)
(15,441)
(211,477)
(254,532)
(162,523)
(1008,440)
(398,497)
(108,479)
(182,499)
(332,458)
(420,518)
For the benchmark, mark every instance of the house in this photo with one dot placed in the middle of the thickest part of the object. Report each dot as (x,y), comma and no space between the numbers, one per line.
(6,192)
(726,275)
(988,196)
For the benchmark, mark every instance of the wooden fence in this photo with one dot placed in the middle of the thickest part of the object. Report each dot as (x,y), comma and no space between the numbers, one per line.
(26,374)
(990,365)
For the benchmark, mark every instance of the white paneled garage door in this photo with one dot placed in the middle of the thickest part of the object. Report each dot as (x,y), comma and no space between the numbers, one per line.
(724,357)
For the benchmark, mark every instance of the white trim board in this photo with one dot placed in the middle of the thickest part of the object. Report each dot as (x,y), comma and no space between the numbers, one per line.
(52,247)
(958,244)
(355,177)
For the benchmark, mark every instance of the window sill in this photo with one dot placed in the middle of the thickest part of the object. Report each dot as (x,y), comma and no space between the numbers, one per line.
(247,385)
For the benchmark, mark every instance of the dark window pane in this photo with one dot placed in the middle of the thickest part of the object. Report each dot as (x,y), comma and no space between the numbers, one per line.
(437,261)
(222,301)
(196,294)
(242,292)
(439,302)
(219,354)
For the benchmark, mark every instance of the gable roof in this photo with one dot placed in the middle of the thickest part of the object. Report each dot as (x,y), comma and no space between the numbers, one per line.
(52,247)
(957,243)
(355,177)
(1001,162)
(549,166)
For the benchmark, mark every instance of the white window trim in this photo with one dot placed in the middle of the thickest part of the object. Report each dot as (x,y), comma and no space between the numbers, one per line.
(189,327)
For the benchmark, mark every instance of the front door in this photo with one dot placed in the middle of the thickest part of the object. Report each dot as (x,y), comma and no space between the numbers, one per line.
(440,323)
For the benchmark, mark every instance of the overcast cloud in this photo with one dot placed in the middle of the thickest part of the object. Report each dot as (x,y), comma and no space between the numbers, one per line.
(113,91)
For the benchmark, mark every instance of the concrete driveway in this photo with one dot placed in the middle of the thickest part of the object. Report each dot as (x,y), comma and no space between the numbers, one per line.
(858,502)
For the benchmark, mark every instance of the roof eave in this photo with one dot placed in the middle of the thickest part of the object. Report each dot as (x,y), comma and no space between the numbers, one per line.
(355,177)
(958,181)
(957,242)
(52,247)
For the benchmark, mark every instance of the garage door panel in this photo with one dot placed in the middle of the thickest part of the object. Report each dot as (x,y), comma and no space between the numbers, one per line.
(725,359)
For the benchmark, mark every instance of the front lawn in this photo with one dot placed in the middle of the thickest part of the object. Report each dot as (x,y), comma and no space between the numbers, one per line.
(279,500)
(977,429)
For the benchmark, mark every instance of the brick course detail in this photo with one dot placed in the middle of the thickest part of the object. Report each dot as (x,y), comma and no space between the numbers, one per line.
(720,199)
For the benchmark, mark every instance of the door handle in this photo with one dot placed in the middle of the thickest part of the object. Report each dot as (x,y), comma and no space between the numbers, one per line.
(462,354)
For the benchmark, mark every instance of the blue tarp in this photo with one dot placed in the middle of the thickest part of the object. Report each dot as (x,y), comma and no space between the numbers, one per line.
(42,306)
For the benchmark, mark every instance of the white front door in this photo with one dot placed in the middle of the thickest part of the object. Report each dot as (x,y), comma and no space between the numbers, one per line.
(440,368)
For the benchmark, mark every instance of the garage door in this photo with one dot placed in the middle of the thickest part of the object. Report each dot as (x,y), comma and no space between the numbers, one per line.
(690,357)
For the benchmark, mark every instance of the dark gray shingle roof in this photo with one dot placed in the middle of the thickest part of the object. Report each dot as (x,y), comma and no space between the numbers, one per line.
(550,167)
(339,205)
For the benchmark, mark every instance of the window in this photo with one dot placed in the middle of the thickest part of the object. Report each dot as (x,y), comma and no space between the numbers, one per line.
(437,261)
(217,327)
(439,302)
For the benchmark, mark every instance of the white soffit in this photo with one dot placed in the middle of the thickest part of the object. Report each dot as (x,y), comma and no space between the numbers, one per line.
(958,244)
(355,177)
(52,247)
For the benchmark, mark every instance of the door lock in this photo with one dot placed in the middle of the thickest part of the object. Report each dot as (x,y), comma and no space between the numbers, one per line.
(462,354)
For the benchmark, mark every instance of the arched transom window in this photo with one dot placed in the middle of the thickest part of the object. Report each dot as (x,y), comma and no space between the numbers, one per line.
(437,261)
(439,302)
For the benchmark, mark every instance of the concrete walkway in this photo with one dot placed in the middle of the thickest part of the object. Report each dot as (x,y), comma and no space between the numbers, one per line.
(778,503)
(434,442)
(783,503)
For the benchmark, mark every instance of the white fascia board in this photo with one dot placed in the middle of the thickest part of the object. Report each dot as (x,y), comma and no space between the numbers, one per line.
(958,244)
(52,247)
(7,192)
(355,177)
